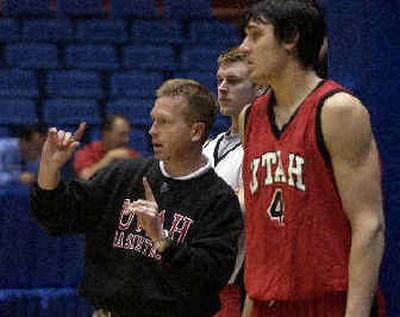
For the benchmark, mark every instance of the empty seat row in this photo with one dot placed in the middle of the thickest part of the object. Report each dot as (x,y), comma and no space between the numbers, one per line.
(108,58)
(118,31)
(89,84)
(117,8)
(67,112)
(78,84)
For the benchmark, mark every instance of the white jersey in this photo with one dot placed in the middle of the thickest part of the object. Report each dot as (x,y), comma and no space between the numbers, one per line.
(225,154)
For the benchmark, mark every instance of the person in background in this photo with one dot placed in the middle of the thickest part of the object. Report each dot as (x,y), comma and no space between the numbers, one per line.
(112,146)
(225,152)
(19,157)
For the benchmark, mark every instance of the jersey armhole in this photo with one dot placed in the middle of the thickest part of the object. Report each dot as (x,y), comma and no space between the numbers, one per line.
(318,126)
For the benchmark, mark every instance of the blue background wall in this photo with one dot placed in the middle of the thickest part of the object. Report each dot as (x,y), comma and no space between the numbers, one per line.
(364,54)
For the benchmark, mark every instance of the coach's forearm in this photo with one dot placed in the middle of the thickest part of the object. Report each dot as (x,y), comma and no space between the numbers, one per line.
(48,176)
(365,259)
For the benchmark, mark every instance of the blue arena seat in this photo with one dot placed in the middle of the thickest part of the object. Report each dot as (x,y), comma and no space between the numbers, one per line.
(31,55)
(9,30)
(207,79)
(141,141)
(102,31)
(5,132)
(133,9)
(146,57)
(157,32)
(74,83)
(218,34)
(136,110)
(47,30)
(201,58)
(187,9)
(30,258)
(135,84)
(26,7)
(18,83)
(97,57)
(17,111)
(19,304)
(66,112)
(65,302)
(77,8)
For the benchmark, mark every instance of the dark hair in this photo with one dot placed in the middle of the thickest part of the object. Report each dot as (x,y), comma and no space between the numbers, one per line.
(109,120)
(201,104)
(26,132)
(292,18)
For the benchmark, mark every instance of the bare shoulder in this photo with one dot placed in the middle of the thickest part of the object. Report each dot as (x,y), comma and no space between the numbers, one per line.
(344,103)
(346,126)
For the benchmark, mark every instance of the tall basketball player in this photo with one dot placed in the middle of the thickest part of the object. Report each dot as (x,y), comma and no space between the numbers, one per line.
(314,219)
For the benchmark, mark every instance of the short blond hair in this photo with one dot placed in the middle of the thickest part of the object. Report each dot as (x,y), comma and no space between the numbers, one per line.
(232,55)
(201,104)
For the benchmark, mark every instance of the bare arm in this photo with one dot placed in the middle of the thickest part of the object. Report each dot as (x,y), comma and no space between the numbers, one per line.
(248,305)
(349,140)
(88,172)
(118,153)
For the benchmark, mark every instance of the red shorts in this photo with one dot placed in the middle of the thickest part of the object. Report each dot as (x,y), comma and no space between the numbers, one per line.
(230,301)
(380,309)
(330,305)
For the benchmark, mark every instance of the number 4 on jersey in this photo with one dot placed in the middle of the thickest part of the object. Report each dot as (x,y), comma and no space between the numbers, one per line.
(276,208)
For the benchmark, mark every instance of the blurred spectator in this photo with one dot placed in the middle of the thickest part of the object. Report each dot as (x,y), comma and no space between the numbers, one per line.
(19,157)
(112,146)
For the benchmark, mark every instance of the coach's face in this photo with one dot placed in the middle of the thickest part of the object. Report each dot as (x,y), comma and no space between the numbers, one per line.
(171,134)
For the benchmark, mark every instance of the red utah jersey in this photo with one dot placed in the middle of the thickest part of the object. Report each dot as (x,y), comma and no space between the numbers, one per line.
(297,234)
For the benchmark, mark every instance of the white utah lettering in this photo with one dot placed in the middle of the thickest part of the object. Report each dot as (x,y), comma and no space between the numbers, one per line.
(277,170)
(296,171)
(268,159)
(254,168)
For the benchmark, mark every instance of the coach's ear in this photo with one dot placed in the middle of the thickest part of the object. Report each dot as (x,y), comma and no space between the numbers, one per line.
(198,131)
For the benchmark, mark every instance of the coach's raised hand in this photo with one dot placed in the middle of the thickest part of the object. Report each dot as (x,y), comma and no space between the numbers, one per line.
(57,149)
(147,213)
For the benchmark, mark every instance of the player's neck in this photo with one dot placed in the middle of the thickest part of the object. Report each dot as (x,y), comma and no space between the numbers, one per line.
(292,85)
(234,129)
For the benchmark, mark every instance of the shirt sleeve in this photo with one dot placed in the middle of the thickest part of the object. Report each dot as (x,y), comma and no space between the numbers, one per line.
(205,266)
(134,154)
(69,207)
(84,158)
